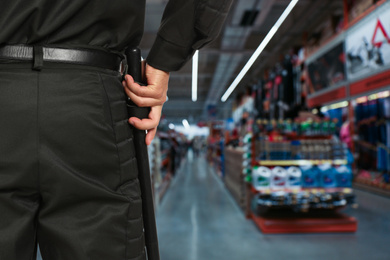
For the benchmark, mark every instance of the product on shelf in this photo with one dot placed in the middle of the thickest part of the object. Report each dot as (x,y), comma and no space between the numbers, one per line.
(278,177)
(294,177)
(309,127)
(302,201)
(310,176)
(302,150)
(344,176)
(327,175)
(261,178)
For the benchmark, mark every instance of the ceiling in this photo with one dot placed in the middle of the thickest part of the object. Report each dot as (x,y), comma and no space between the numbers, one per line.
(220,62)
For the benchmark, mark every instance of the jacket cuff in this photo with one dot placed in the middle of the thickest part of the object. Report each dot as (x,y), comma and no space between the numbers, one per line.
(167,56)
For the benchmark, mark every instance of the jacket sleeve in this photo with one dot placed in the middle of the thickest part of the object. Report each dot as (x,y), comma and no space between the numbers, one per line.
(186,26)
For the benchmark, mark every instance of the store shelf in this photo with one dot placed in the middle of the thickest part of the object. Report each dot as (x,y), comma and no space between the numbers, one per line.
(366,145)
(295,223)
(296,190)
(300,162)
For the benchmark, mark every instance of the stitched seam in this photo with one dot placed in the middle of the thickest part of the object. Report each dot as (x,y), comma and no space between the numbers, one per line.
(126,141)
(38,138)
(116,146)
(38,165)
(131,159)
(127,230)
(134,219)
(136,238)
(138,257)
(123,121)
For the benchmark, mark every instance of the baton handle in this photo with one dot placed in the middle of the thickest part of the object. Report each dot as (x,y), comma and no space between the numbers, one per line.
(151,241)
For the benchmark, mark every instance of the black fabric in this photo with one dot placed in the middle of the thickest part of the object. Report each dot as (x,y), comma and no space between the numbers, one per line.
(112,25)
(68,173)
(187,25)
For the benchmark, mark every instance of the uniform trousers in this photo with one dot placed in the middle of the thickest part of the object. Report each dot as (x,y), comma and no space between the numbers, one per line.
(68,173)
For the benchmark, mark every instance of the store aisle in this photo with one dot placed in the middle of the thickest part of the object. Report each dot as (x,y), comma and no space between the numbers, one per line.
(198,220)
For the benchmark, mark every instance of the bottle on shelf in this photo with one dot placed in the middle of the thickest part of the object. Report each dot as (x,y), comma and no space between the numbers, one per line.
(278,177)
(310,176)
(344,176)
(327,176)
(294,177)
(261,177)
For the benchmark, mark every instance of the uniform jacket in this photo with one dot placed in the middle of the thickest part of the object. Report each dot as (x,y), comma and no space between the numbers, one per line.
(187,25)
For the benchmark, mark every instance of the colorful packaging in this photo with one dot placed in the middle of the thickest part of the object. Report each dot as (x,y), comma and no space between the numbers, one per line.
(294,177)
(278,177)
(310,176)
(344,176)
(261,178)
(327,176)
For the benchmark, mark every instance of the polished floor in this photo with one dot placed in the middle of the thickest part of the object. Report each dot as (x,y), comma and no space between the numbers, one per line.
(199,220)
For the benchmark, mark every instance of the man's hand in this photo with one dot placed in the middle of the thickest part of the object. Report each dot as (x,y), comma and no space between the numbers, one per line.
(153,95)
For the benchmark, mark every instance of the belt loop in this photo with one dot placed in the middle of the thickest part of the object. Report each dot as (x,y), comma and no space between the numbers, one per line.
(37,57)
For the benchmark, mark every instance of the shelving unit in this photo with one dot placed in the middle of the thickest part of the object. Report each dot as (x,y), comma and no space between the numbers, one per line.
(320,223)
(364,82)
(215,149)
(298,209)
(233,178)
(300,162)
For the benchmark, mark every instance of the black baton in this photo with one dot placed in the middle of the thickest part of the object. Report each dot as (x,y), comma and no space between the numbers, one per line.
(151,242)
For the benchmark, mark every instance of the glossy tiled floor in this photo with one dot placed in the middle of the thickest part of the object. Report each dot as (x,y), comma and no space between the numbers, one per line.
(198,220)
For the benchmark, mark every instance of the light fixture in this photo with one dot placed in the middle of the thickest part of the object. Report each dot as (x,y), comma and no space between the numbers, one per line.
(186,124)
(259,50)
(171,126)
(341,104)
(195,60)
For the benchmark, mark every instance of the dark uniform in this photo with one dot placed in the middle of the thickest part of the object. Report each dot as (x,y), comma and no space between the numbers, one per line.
(68,177)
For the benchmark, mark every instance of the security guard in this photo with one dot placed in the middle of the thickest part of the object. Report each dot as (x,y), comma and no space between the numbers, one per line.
(68,177)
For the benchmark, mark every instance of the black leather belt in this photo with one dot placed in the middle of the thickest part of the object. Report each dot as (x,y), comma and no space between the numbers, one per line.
(86,57)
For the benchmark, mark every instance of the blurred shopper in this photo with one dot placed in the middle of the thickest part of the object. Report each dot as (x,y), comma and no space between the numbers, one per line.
(198,145)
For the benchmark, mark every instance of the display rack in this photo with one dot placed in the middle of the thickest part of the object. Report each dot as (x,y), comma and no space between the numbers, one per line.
(297,209)
(165,156)
(363,83)
(233,178)
(215,148)
(282,223)
(300,162)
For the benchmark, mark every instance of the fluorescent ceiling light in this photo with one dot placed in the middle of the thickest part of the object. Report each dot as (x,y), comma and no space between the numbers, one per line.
(186,124)
(195,59)
(259,50)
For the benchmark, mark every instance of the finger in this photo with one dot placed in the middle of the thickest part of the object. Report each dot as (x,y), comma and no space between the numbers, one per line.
(151,91)
(150,136)
(144,124)
(148,123)
(128,79)
(145,101)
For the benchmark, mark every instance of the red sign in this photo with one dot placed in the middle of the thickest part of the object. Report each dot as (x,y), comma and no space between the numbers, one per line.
(374,82)
(380,27)
(328,97)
